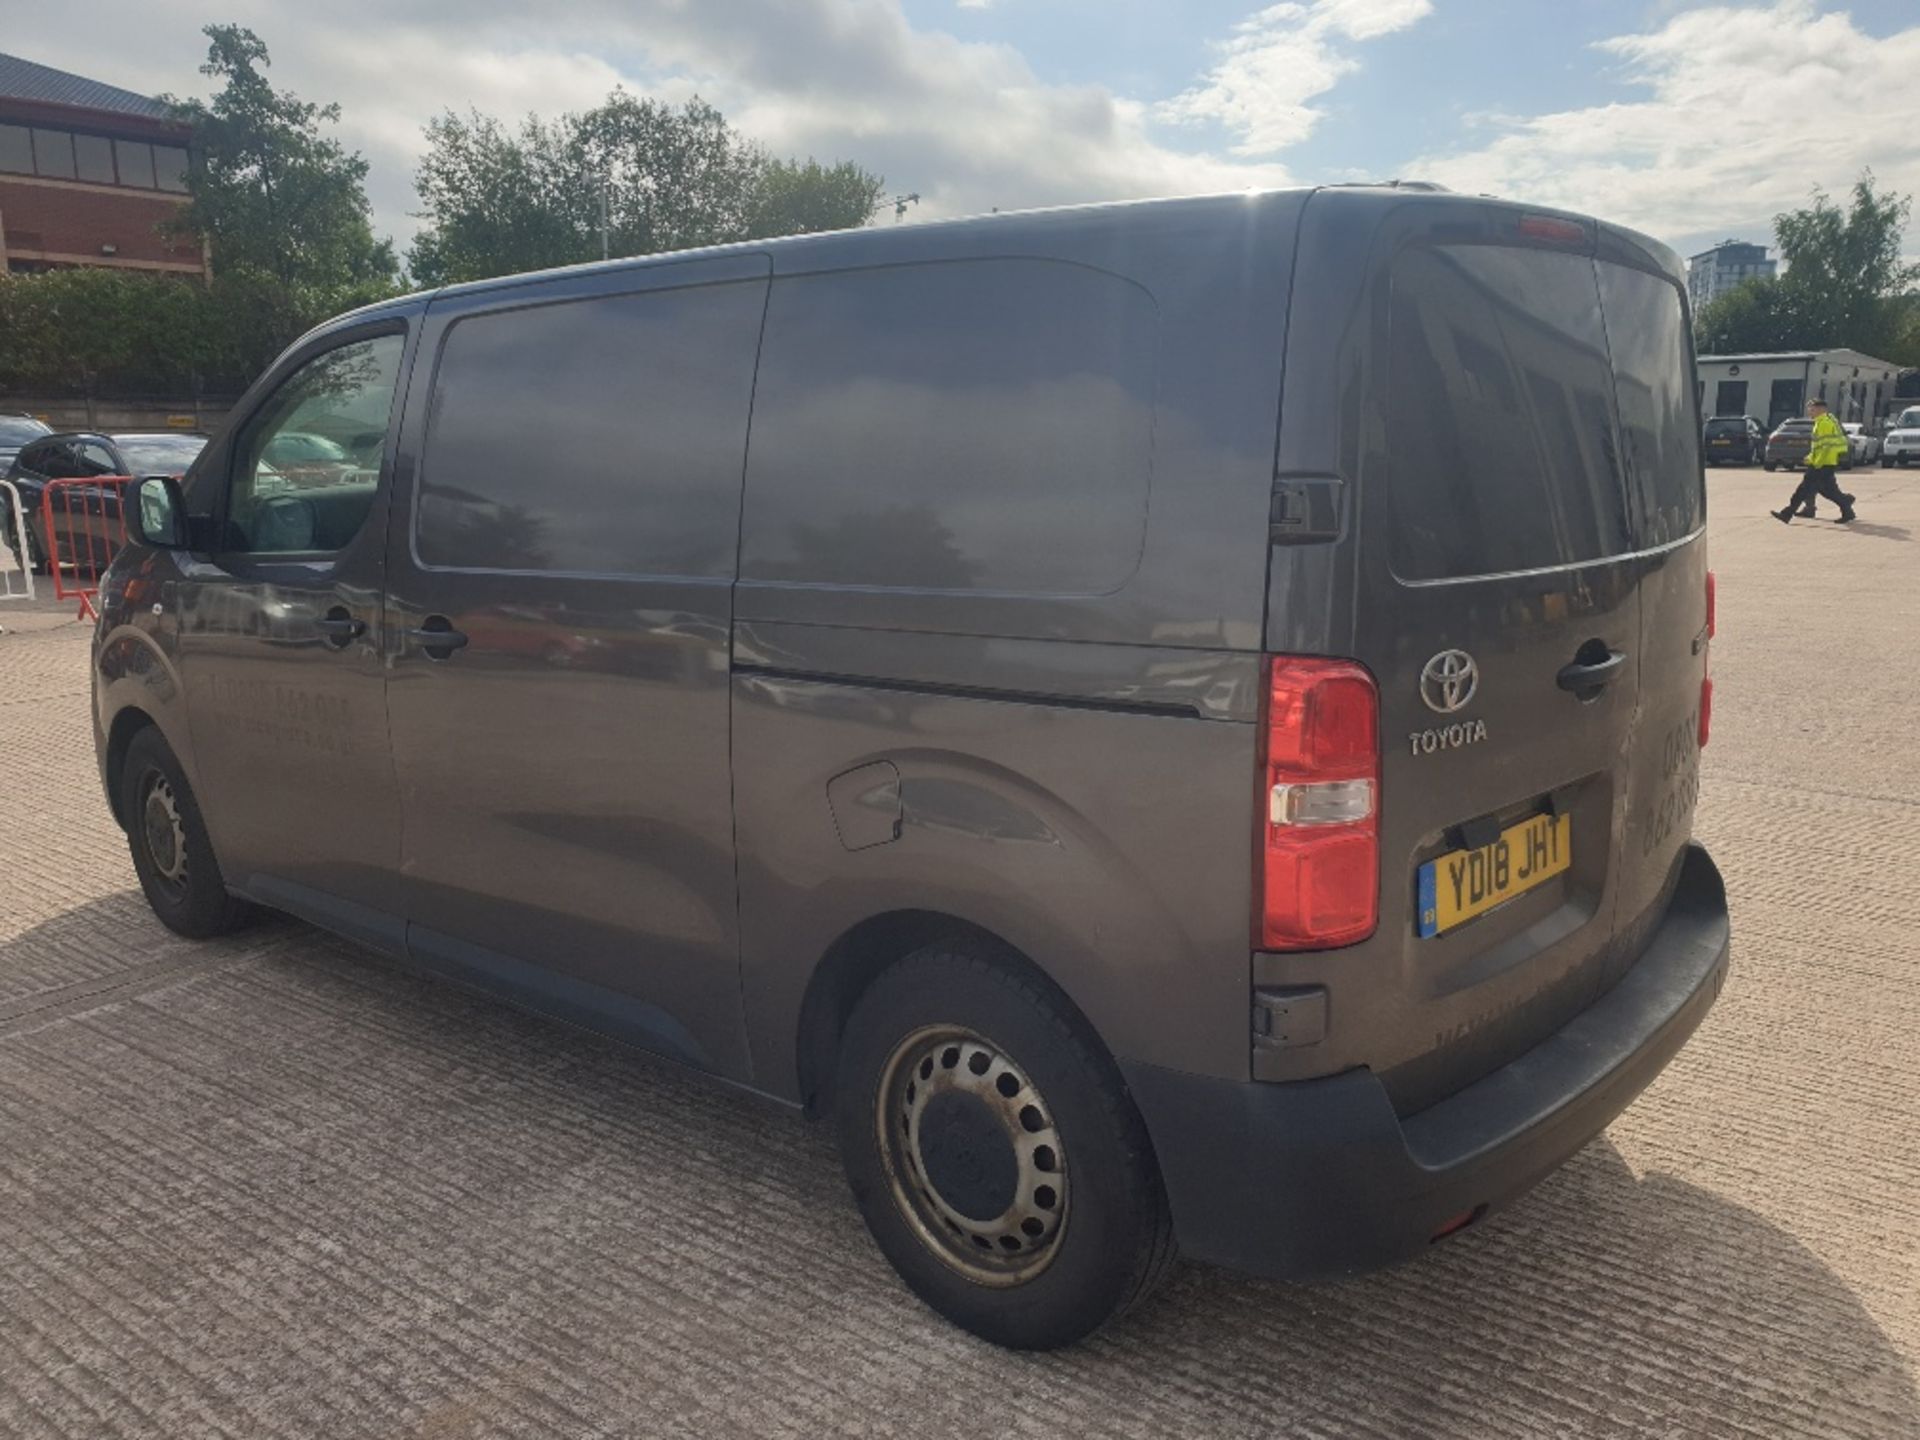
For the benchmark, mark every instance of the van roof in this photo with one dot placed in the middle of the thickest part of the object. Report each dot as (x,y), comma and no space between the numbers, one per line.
(879,244)
(885,238)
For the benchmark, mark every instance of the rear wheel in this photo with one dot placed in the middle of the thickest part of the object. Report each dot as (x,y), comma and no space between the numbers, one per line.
(994,1152)
(168,840)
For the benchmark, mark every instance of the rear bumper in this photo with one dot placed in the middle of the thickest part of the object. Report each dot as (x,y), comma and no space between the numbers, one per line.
(1322,1177)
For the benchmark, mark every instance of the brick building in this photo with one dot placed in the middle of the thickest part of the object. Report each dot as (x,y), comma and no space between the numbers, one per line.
(87,174)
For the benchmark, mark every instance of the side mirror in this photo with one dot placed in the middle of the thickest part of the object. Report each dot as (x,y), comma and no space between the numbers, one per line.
(158,514)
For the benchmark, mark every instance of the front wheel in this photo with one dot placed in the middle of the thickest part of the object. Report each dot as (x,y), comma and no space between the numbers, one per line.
(1767,466)
(168,840)
(994,1151)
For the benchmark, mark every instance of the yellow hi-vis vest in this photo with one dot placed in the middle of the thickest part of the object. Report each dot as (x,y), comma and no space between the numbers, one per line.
(1829,446)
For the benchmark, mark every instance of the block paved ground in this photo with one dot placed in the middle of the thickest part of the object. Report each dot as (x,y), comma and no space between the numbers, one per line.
(273,1187)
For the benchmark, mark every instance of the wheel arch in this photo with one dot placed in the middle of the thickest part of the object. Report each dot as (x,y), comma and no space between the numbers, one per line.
(858,957)
(129,722)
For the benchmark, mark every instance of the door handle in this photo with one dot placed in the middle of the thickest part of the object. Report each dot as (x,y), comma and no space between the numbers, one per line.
(339,627)
(436,633)
(1586,678)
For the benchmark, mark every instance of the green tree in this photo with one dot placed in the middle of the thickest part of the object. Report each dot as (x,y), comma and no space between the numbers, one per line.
(269,192)
(664,177)
(492,202)
(1751,317)
(1845,284)
(1843,267)
(793,198)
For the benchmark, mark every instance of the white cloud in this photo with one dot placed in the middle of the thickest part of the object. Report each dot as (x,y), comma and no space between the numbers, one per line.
(967,124)
(1747,109)
(1281,58)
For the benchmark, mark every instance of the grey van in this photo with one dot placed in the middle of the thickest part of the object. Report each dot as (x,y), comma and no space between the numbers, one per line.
(1176,724)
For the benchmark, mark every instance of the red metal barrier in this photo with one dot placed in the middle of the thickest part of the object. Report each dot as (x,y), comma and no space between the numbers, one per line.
(83,524)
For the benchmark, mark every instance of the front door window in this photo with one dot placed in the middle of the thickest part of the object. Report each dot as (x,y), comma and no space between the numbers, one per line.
(308,465)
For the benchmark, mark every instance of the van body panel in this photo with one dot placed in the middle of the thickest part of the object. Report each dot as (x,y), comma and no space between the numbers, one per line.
(563,778)
(1048,825)
(1205,684)
(1327,1177)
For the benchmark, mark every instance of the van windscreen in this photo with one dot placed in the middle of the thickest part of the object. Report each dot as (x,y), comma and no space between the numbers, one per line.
(1499,415)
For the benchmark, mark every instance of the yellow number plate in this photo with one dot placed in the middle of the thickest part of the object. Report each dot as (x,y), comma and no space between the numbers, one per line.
(1461,884)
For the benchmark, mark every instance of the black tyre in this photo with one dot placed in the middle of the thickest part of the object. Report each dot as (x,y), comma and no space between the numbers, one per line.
(994,1151)
(36,550)
(1767,466)
(168,839)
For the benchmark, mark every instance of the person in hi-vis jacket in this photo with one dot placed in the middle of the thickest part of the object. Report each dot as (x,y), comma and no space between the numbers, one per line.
(1825,450)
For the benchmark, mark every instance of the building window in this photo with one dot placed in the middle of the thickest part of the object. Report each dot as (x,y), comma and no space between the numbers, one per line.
(136,163)
(170,168)
(53,153)
(93,159)
(65,155)
(16,149)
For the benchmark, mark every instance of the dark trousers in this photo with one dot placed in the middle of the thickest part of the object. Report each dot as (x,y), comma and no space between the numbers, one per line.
(1818,482)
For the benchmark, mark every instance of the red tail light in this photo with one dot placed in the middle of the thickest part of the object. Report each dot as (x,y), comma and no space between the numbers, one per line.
(1706,680)
(1318,877)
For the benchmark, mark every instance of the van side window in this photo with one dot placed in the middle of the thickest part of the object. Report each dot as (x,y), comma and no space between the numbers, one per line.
(1652,360)
(966,425)
(308,463)
(601,436)
(1500,421)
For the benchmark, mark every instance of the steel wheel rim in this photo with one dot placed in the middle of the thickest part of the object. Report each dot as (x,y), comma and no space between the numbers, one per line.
(957,1071)
(164,832)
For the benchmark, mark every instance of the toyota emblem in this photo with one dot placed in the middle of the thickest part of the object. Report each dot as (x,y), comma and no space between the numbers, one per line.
(1448,681)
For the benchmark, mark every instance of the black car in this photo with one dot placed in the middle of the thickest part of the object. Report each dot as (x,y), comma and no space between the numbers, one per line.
(17,430)
(1788,444)
(1737,439)
(78,455)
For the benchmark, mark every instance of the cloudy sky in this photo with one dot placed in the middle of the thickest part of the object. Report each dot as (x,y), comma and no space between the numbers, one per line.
(1691,121)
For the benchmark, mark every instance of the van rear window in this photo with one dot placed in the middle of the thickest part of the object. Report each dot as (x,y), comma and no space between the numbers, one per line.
(1500,423)
(1653,386)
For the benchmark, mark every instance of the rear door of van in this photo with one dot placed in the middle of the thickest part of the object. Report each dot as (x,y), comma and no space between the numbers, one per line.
(1450,377)
(1650,339)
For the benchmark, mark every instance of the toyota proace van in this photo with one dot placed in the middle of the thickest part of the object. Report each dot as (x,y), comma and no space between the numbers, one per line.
(1176,724)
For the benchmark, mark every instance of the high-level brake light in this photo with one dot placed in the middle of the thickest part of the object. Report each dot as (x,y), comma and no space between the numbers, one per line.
(1554,229)
(1318,871)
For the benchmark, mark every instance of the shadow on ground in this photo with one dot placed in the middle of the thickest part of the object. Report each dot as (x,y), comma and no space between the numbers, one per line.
(328,1197)
(1880,532)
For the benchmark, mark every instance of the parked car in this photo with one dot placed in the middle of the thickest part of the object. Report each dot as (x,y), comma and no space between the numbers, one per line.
(1902,440)
(15,431)
(1735,439)
(1863,447)
(1288,870)
(76,455)
(1787,445)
